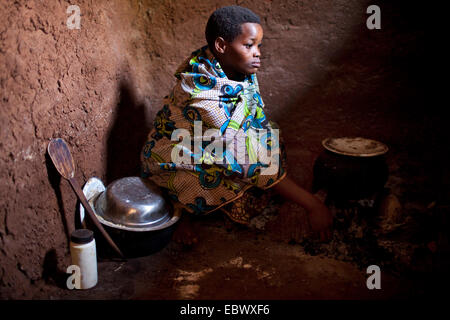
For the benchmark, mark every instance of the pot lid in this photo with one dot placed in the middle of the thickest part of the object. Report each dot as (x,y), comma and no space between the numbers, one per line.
(357,147)
(130,203)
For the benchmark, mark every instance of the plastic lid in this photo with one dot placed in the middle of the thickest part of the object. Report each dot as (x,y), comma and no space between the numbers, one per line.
(82,236)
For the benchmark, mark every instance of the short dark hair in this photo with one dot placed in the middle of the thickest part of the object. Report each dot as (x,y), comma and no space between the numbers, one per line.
(226,22)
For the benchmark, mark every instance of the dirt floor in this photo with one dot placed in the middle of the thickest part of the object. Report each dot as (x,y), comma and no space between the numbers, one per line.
(233,264)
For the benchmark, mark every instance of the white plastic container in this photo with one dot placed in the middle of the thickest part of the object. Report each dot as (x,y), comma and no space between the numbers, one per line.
(84,255)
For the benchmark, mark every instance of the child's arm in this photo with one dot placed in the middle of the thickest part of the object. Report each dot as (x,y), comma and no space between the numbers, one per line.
(319,216)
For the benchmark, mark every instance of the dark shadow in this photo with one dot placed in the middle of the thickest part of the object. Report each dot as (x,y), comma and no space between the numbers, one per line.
(51,274)
(378,64)
(127,135)
(78,224)
(376,88)
(55,181)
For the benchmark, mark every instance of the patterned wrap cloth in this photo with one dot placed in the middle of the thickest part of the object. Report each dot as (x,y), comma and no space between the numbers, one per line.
(205,98)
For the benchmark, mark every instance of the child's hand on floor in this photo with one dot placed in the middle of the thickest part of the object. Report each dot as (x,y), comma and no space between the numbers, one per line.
(320,221)
(320,218)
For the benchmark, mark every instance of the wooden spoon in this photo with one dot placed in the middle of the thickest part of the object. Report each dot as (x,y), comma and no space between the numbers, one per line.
(64,163)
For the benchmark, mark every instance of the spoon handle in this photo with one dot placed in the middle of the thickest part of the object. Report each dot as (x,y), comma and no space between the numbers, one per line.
(86,205)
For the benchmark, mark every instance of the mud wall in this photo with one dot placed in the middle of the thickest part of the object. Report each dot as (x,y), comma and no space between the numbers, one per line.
(98,87)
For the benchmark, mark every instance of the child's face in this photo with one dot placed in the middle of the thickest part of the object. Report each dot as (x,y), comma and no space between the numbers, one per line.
(242,55)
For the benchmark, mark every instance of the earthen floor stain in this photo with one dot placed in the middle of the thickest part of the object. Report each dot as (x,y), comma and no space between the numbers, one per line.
(241,263)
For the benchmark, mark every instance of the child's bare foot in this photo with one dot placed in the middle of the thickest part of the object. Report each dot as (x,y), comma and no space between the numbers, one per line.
(227,222)
(185,232)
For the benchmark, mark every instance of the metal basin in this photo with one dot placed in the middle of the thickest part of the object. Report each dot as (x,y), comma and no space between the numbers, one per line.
(135,214)
(133,203)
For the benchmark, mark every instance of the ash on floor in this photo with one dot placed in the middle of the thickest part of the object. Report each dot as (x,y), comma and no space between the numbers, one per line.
(248,263)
